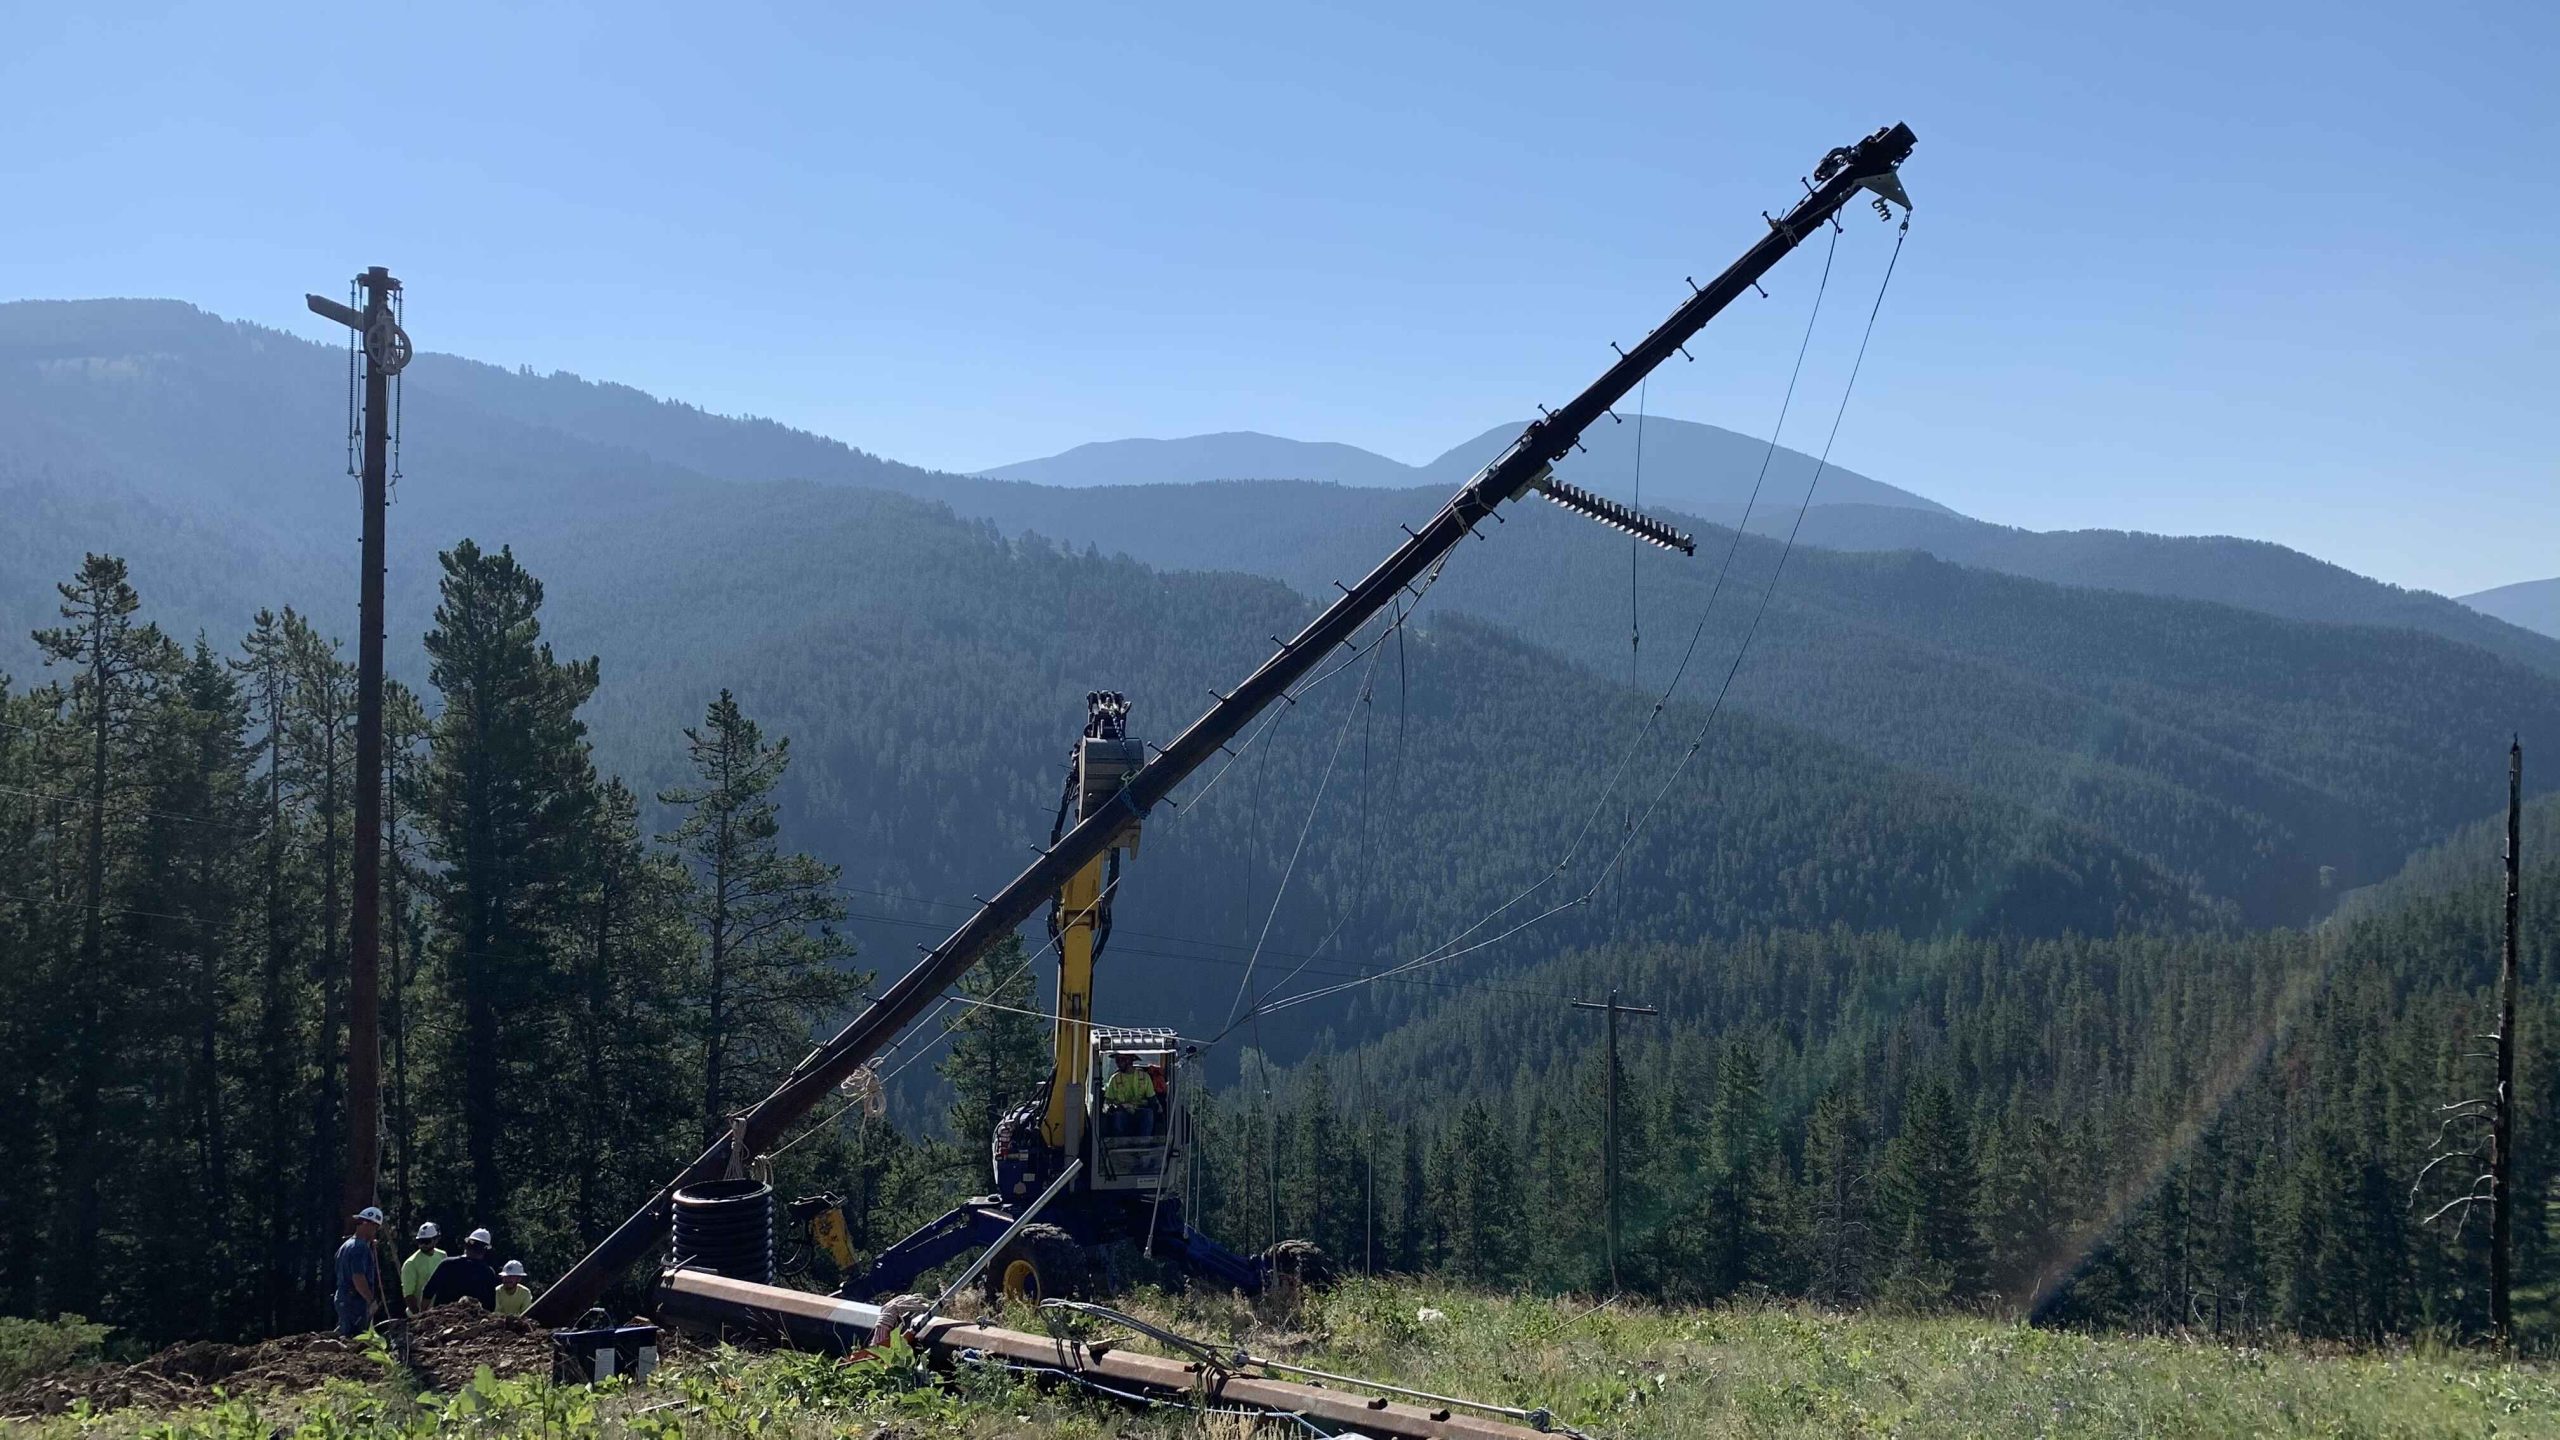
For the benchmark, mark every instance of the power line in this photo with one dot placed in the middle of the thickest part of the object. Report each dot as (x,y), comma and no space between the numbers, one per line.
(1698,741)
(1627,754)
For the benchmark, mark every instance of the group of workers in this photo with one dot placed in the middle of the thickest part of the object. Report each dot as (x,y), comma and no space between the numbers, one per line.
(428,1277)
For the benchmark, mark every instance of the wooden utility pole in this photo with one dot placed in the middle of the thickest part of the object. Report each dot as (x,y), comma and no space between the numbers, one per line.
(2502,1123)
(1609,1151)
(386,353)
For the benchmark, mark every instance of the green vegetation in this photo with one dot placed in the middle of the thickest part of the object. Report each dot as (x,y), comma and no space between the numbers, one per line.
(1616,1371)
(29,1348)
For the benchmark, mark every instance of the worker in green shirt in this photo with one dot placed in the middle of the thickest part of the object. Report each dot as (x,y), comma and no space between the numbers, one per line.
(421,1264)
(1128,1099)
(514,1296)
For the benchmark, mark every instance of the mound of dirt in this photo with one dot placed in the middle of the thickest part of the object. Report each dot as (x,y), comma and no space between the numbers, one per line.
(447,1346)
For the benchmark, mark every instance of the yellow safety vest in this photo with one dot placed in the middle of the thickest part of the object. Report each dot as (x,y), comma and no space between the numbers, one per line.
(514,1299)
(417,1269)
(1129,1087)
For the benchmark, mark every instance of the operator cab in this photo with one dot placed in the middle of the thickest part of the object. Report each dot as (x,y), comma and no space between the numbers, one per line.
(1138,1131)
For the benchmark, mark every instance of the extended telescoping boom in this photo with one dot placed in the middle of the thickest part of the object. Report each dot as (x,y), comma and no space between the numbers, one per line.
(1868,165)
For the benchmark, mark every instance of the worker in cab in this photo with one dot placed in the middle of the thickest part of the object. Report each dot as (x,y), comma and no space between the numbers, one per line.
(467,1276)
(514,1296)
(359,1274)
(1128,1099)
(422,1263)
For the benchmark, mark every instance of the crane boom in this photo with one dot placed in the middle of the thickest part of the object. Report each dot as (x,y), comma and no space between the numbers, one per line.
(1869,164)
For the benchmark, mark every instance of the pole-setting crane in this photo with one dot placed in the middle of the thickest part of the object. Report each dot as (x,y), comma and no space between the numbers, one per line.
(1869,165)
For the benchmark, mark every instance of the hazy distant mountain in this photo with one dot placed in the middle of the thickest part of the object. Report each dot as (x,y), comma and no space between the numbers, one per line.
(2534,604)
(1234,455)
(1702,469)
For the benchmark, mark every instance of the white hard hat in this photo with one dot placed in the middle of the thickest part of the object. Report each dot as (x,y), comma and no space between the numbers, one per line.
(370,1212)
(513,1269)
(427,1230)
(478,1237)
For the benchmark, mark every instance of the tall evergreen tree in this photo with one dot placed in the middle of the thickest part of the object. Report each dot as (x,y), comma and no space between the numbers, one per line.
(1925,1197)
(117,666)
(626,950)
(770,956)
(1839,1182)
(509,799)
(319,736)
(276,1071)
(187,918)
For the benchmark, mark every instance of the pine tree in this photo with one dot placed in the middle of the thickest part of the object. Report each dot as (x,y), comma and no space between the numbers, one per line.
(2025,1225)
(404,732)
(508,798)
(770,954)
(319,736)
(33,927)
(630,954)
(1839,1183)
(1925,1197)
(187,908)
(276,1073)
(999,1051)
(118,667)
(1736,1211)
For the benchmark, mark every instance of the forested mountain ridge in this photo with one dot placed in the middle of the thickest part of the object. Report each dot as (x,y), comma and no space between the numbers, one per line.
(2458,863)
(2240,753)
(931,697)
(284,384)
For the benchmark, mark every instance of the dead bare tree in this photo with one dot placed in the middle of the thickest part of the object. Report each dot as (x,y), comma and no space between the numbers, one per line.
(2479,1131)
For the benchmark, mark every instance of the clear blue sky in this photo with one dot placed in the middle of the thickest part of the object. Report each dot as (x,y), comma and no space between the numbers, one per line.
(2287,271)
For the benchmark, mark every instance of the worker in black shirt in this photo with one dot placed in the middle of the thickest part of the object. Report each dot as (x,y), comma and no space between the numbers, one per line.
(467,1276)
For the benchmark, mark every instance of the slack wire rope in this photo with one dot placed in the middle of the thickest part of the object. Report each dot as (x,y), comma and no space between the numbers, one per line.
(1698,741)
(1315,804)
(1626,755)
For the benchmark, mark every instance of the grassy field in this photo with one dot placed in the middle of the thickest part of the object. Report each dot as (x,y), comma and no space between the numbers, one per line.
(1744,1370)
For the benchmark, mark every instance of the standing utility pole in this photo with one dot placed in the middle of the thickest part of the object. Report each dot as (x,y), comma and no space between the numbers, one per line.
(1609,1155)
(386,353)
(2502,1123)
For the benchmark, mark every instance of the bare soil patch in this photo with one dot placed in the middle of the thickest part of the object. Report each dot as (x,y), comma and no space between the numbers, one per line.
(447,1346)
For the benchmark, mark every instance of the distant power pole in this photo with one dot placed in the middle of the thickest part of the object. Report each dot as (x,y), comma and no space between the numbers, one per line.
(386,353)
(1609,1160)
(2502,1125)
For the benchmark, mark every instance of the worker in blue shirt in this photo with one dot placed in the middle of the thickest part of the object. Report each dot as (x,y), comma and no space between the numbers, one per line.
(359,1275)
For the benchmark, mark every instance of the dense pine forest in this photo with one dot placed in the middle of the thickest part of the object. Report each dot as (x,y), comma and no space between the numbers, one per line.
(568,1002)
(2180,1125)
(2208,1133)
